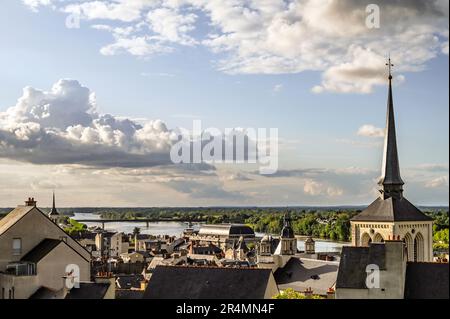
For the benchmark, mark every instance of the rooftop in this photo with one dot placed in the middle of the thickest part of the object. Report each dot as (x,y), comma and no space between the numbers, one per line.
(354,260)
(427,281)
(173,282)
(390,210)
(14,216)
(301,274)
(89,290)
(226,230)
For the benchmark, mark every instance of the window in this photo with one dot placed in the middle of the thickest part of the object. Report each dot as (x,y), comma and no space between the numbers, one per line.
(17,246)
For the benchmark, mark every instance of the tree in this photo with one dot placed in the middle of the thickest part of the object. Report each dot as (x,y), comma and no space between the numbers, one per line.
(292,294)
(289,294)
(136,231)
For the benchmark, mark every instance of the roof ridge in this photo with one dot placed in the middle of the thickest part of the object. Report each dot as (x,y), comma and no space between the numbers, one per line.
(210,267)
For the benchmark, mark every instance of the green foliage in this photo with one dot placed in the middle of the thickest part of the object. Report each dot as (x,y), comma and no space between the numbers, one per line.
(136,231)
(292,294)
(440,240)
(330,224)
(75,227)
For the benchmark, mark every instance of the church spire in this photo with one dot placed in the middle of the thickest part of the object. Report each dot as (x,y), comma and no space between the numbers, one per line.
(391,183)
(53,211)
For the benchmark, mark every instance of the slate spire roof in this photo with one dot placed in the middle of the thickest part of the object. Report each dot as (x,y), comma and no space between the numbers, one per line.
(53,212)
(391,182)
(391,205)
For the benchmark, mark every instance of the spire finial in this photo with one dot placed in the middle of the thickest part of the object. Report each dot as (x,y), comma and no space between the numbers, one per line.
(390,65)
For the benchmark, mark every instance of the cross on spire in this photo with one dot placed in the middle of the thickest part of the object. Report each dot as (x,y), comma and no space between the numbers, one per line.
(390,65)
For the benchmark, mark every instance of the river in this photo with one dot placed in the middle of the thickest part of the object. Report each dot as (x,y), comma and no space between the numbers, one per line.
(176,229)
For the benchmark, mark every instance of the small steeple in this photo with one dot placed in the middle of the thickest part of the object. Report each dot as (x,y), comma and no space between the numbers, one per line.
(391,183)
(287,231)
(53,212)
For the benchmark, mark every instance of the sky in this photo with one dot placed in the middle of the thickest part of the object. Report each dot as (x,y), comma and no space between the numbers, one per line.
(93,93)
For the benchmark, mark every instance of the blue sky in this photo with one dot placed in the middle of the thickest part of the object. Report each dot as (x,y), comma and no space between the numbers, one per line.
(319,129)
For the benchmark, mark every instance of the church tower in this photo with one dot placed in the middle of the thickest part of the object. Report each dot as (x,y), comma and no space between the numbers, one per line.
(288,242)
(54,215)
(392,216)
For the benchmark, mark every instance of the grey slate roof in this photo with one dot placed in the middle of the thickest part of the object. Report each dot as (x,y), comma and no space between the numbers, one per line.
(226,230)
(41,250)
(88,290)
(427,281)
(390,210)
(207,250)
(354,260)
(172,282)
(390,174)
(300,274)
(129,281)
(46,293)
(129,294)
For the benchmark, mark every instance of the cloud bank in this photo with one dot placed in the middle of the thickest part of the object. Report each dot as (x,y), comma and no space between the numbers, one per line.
(62,126)
(276,36)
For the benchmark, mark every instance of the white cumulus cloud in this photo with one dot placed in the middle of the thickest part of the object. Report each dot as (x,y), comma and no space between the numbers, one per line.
(62,126)
(279,36)
(437,182)
(369,130)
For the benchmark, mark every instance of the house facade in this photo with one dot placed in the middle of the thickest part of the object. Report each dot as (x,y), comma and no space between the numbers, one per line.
(35,252)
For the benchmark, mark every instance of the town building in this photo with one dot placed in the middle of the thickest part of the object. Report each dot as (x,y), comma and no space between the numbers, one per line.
(391,254)
(35,252)
(386,261)
(224,235)
(133,257)
(239,250)
(391,216)
(382,271)
(111,244)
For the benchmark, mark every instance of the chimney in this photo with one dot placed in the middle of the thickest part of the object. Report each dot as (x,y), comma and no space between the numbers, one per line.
(308,293)
(330,293)
(30,202)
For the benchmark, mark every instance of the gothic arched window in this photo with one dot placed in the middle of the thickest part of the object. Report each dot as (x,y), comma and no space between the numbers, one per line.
(378,238)
(409,246)
(418,247)
(365,240)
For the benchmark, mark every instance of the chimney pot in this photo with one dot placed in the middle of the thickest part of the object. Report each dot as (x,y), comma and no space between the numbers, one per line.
(30,202)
